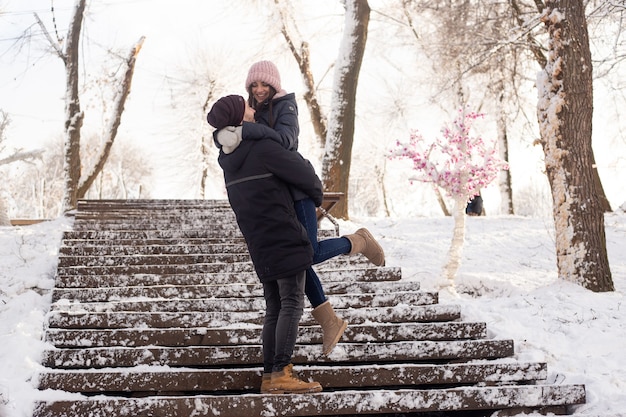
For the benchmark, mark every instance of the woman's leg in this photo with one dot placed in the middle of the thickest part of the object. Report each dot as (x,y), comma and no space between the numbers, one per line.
(313,288)
(324,249)
(323,312)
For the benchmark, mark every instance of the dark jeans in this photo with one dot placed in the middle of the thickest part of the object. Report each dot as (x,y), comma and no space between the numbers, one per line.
(284,304)
(322,250)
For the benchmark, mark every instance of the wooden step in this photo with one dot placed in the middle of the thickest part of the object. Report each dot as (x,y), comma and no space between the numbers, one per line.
(183,213)
(218,234)
(377,274)
(139,259)
(194,221)
(224,234)
(196,291)
(192,267)
(202,336)
(215,227)
(190,259)
(151,204)
(165,379)
(130,243)
(320,404)
(138,213)
(241,304)
(180,247)
(125,319)
(251,355)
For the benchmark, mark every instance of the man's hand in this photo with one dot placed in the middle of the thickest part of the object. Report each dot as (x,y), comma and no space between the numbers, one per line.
(229,137)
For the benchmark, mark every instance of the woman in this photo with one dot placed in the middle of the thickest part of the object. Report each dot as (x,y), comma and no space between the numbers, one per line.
(278,110)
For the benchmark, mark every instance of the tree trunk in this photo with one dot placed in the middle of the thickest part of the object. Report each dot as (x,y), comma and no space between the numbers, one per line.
(206,142)
(300,51)
(73,114)
(338,150)
(441,201)
(565,119)
(453,261)
(111,130)
(504,177)
(537,51)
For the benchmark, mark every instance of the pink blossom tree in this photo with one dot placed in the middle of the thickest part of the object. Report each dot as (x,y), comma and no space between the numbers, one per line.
(459,163)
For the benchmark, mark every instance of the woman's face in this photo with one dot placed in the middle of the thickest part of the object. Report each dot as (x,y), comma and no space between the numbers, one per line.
(248,114)
(260,91)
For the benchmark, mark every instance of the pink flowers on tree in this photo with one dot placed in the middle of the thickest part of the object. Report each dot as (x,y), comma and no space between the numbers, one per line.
(459,163)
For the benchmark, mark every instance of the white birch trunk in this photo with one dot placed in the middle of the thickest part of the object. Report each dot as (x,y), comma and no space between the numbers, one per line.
(453,261)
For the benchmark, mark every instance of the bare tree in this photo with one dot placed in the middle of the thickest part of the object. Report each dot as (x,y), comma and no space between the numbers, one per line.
(300,51)
(504,176)
(565,112)
(338,152)
(73,113)
(114,122)
(123,176)
(74,116)
(197,87)
(12,156)
(205,144)
(38,190)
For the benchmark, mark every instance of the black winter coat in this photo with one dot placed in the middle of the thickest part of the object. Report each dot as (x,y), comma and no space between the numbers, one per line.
(258,175)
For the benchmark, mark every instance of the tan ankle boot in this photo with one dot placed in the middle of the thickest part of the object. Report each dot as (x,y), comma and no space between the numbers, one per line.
(363,242)
(332,326)
(285,382)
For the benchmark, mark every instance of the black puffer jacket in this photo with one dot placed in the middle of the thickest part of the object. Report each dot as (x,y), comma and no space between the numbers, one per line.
(281,115)
(257,175)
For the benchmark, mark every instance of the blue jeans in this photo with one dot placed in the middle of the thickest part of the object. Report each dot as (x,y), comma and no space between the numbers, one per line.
(322,250)
(284,304)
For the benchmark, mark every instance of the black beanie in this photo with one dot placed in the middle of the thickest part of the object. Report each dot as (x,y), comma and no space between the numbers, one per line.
(227,111)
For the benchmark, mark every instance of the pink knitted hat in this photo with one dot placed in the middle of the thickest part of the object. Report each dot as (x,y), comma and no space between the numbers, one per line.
(264,71)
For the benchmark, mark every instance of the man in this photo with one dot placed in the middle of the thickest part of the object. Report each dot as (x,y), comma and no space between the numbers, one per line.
(258,174)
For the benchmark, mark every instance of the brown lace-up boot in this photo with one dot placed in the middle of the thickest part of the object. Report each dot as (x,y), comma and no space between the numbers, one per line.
(285,382)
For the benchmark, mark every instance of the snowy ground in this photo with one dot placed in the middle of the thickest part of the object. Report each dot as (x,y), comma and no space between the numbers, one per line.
(507,278)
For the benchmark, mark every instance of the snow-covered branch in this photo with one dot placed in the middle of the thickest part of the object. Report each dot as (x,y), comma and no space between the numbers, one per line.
(22,156)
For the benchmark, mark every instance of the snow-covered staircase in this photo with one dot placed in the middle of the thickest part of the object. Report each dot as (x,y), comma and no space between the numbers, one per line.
(157,312)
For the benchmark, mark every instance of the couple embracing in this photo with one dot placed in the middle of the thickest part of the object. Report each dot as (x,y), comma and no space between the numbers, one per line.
(274,193)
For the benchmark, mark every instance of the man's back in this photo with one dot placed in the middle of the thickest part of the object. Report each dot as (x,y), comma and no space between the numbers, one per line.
(258,176)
